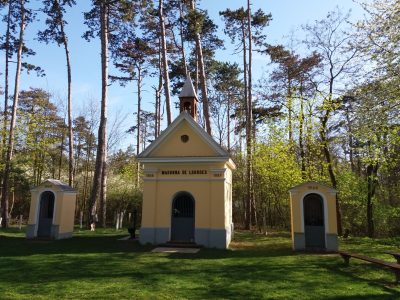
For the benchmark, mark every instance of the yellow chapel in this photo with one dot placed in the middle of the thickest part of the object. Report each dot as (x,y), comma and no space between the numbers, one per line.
(187,175)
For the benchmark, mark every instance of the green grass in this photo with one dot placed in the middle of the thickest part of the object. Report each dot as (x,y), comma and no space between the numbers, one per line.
(98,266)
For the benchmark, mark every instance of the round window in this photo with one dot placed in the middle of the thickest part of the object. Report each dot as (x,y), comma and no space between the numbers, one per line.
(184,138)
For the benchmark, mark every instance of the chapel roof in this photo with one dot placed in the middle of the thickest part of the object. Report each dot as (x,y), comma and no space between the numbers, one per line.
(57,183)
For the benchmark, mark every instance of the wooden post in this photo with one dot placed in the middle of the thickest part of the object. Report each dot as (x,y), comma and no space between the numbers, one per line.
(117,222)
(81,220)
(121,222)
(20,222)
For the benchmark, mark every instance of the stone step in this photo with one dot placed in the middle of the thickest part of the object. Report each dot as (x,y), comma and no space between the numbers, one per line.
(177,244)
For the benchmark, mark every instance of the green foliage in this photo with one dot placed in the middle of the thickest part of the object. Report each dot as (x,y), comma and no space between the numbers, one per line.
(123,195)
(236,24)
(382,16)
(352,192)
(275,172)
(41,130)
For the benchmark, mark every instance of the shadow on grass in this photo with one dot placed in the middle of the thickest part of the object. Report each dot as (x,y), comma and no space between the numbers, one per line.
(258,267)
(354,273)
(20,246)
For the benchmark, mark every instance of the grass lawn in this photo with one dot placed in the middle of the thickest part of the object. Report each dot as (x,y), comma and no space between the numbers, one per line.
(98,266)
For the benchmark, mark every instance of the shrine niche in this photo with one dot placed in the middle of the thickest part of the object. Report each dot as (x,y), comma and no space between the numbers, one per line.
(313,217)
(52,210)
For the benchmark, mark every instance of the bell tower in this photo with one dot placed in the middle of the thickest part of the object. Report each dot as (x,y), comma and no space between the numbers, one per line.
(188,99)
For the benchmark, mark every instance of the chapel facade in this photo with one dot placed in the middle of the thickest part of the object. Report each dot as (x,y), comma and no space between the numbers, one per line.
(187,193)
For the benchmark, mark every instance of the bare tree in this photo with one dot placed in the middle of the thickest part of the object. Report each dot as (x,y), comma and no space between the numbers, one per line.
(328,38)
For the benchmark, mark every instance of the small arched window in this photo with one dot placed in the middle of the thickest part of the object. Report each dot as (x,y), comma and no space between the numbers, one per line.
(187,106)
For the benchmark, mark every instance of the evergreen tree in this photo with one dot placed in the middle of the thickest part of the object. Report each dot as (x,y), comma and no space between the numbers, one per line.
(241,25)
(55,32)
(106,19)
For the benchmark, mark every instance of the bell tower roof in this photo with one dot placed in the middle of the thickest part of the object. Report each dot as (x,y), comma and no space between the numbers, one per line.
(188,99)
(188,89)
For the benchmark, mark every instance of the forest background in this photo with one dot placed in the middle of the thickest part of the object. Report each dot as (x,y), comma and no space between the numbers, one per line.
(320,103)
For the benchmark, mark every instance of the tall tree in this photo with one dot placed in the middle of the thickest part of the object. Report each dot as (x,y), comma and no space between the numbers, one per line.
(107,19)
(10,144)
(85,153)
(150,28)
(55,32)
(164,60)
(227,88)
(378,35)
(292,80)
(251,211)
(42,132)
(331,41)
(374,113)
(7,46)
(100,173)
(246,27)
(133,59)
(195,22)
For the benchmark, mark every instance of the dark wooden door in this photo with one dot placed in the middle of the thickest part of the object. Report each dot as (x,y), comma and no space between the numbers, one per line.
(314,223)
(182,223)
(46,213)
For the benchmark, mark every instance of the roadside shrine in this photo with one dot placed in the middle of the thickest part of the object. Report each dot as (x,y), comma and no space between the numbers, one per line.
(52,210)
(313,215)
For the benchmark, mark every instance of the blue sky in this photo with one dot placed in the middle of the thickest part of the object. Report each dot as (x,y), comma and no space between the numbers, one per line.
(288,16)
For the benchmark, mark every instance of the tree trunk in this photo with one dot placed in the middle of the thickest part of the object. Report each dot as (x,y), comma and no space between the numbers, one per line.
(103,191)
(10,148)
(290,110)
(328,159)
(372,171)
(165,62)
(7,60)
(158,98)
(101,151)
(138,124)
(86,175)
(228,122)
(350,140)
(249,121)
(301,129)
(61,153)
(70,133)
(246,107)
(203,79)
(181,36)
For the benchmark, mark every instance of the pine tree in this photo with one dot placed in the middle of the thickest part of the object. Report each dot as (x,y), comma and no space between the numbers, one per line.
(55,32)
(241,25)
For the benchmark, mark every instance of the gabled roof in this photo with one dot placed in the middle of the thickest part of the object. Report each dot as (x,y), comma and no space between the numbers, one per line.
(188,90)
(58,184)
(221,154)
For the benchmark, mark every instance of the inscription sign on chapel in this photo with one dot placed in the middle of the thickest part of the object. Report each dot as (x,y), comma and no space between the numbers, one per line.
(184,172)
